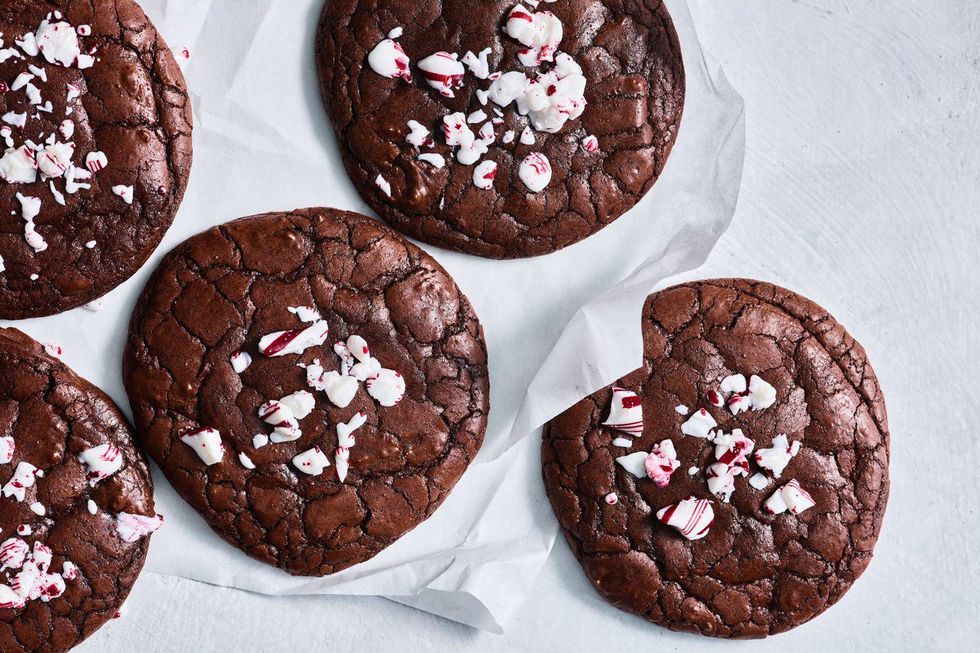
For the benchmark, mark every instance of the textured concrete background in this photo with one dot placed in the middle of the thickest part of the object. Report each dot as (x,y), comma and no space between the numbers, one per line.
(861,191)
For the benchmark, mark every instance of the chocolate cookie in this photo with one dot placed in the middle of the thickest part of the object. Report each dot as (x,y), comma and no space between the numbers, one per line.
(95,149)
(496,128)
(76,505)
(310,382)
(735,484)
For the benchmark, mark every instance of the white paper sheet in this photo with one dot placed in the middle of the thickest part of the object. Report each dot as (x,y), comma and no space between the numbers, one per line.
(262,142)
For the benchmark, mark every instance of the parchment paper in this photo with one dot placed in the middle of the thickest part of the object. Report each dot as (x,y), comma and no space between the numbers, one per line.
(262,142)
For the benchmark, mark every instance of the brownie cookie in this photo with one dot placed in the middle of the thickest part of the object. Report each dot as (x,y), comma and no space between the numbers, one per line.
(310,382)
(76,505)
(497,128)
(95,149)
(735,484)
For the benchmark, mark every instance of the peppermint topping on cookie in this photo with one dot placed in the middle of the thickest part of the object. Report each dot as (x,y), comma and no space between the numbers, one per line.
(622,442)
(733,449)
(281,416)
(340,389)
(293,341)
(634,463)
(389,60)
(791,497)
(387,387)
(761,393)
(418,135)
(125,192)
(433,159)
(721,480)
(240,361)
(312,462)
(777,457)
(625,412)
(301,403)
(692,517)
(7,448)
(699,424)
(758,481)
(661,463)
(23,478)
(342,460)
(131,528)
(535,172)
(478,63)
(443,72)
(590,143)
(459,135)
(540,31)
(13,552)
(383,184)
(484,174)
(245,461)
(612,498)
(306,314)
(206,443)
(345,432)
(102,462)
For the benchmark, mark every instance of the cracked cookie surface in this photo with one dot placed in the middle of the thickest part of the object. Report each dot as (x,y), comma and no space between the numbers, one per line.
(53,416)
(754,574)
(223,290)
(133,107)
(630,56)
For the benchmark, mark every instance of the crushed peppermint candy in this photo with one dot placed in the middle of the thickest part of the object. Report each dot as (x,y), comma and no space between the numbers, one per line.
(733,449)
(418,135)
(383,184)
(388,59)
(101,462)
(721,480)
(240,361)
(634,463)
(245,461)
(590,143)
(682,409)
(294,341)
(791,497)
(23,478)
(306,314)
(691,517)
(7,448)
(484,174)
(761,393)
(124,192)
(699,425)
(387,387)
(612,498)
(622,442)
(92,507)
(535,172)
(433,159)
(661,463)
(759,481)
(478,64)
(443,72)
(312,461)
(777,457)
(625,412)
(206,443)
(131,528)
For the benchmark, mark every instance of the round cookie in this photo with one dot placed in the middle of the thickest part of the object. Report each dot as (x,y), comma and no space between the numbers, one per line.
(76,505)
(95,147)
(630,58)
(802,519)
(407,401)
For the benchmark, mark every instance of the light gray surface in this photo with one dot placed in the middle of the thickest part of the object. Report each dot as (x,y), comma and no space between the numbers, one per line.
(861,190)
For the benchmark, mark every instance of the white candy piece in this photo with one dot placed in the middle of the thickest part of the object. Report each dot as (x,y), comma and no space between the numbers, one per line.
(535,172)
(307,314)
(459,135)
(634,463)
(259,440)
(125,192)
(541,32)
(55,159)
(300,403)
(92,507)
(682,409)
(7,448)
(240,361)
(622,442)
(9,599)
(383,184)
(245,461)
(366,369)
(13,552)
(478,63)
(342,461)
(733,449)
(721,481)
(294,341)
(758,481)
(131,528)
(433,159)
(345,432)
(312,462)
(691,517)
(661,463)
(484,174)
(281,416)
(206,443)
(388,59)
(699,425)
(443,72)
(418,136)
(18,166)
(777,457)
(58,42)
(23,478)
(791,497)
(358,348)
(340,389)
(102,462)
(395,33)
(387,387)
(30,207)
(508,136)
(38,509)
(590,143)
(612,498)
(733,383)
(625,412)
(761,393)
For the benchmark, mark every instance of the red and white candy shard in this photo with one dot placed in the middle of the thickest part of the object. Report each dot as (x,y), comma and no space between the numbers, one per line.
(366,369)
(13,552)
(541,32)
(312,461)
(733,449)
(388,59)
(535,172)
(691,517)
(24,529)
(443,72)
(612,498)
(590,143)
(7,448)
(69,570)
(307,314)
(294,341)
(342,460)
(240,361)
(761,393)
(418,135)
(17,166)
(345,432)
(699,424)
(23,478)
(721,480)
(661,463)
(124,192)
(96,161)
(459,135)
(634,463)
(340,390)
(625,412)
(58,42)
(791,497)
(484,174)
(346,358)
(478,63)
(300,403)
(777,457)
(206,443)
(387,387)
(358,348)
(102,462)
(132,527)
(281,416)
